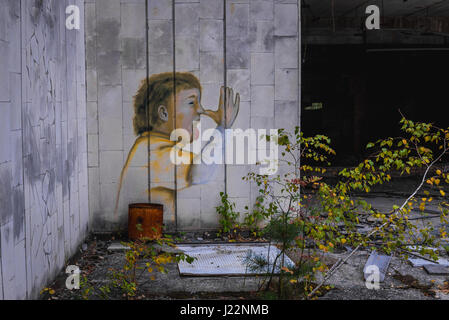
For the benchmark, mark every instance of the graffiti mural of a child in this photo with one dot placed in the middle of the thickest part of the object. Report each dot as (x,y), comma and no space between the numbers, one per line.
(174,102)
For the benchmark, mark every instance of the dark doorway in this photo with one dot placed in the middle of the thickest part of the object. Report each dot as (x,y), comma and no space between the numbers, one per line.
(353,93)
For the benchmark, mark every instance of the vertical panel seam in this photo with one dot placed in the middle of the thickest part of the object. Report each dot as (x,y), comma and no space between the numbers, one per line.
(299,61)
(23,166)
(225,76)
(175,106)
(65,156)
(147,97)
(98,112)
(77,133)
(299,36)
(86,134)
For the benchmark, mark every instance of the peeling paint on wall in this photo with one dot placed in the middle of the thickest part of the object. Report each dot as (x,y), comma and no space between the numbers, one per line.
(43,167)
(5,195)
(45,157)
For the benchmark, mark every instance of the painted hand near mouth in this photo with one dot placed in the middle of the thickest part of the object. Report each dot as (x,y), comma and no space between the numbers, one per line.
(228,108)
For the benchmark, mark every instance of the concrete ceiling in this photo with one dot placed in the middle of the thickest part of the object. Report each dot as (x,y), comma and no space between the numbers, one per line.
(396,8)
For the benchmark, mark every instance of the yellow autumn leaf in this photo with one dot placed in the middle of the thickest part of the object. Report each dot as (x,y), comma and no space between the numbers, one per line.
(285,269)
(442,193)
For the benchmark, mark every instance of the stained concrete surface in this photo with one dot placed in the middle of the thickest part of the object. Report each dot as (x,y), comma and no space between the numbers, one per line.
(43,146)
(350,284)
(402,281)
(261,50)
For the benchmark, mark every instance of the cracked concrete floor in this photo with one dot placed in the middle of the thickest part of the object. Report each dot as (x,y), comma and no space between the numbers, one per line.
(348,280)
(413,284)
(402,281)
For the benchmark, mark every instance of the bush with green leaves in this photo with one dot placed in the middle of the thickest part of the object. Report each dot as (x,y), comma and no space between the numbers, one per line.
(312,217)
(228,215)
(142,261)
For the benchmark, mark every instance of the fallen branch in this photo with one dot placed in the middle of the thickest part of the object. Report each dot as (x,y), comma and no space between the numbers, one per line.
(417,255)
(331,272)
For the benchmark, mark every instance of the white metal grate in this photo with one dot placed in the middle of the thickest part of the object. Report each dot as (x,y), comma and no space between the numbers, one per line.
(228,259)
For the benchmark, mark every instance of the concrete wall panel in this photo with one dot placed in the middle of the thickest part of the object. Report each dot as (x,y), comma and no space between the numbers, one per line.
(43,165)
(249,45)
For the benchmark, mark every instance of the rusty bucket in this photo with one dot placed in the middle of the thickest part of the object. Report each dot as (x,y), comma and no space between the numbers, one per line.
(145,220)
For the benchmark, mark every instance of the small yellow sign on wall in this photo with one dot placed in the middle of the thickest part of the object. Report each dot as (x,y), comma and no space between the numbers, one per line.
(315,106)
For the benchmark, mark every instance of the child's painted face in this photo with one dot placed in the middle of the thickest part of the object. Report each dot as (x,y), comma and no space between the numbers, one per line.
(188,110)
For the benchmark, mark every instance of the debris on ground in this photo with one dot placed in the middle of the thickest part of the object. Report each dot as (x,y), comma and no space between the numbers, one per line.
(412,282)
(436,269)
(420,262)
(117,246)
(96,259)
(380,262)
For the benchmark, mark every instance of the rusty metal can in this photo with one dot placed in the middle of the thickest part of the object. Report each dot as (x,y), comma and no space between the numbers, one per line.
(145,220)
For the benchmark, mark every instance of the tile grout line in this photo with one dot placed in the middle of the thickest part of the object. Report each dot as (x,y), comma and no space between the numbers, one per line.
(23,167)
(87,126)
(225,71)
(299,75)
(147,61)
(174,97)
